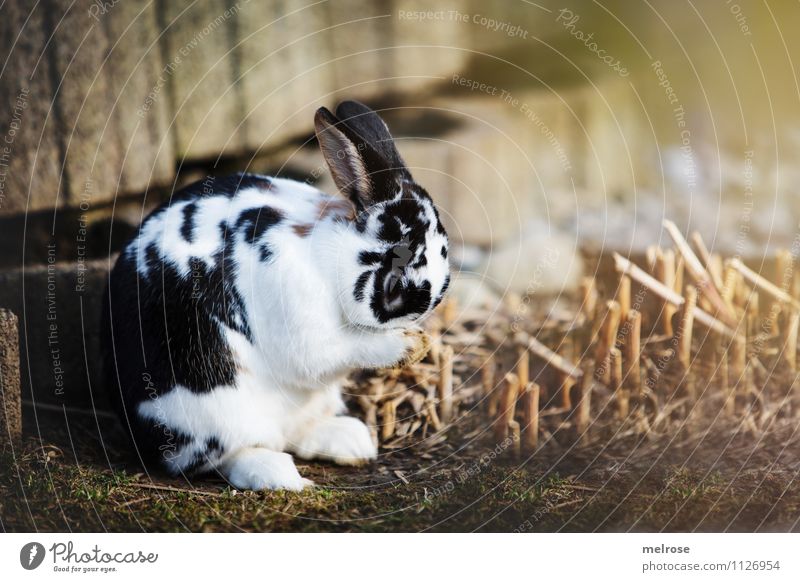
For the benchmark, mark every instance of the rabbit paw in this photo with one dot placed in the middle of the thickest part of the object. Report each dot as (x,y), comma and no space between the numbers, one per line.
(342,439)
(259,469)
(418,344)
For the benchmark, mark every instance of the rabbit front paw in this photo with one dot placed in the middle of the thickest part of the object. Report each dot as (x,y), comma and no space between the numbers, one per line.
(258,469)
(418,343)
(342,439)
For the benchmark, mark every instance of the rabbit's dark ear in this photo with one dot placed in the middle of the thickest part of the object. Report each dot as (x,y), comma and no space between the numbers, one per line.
(369,127)
(360,172)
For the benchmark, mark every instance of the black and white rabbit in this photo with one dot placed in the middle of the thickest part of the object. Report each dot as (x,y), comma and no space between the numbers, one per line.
(241,304)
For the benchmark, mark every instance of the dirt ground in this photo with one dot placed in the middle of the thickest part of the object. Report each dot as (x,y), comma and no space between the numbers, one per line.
(75,480)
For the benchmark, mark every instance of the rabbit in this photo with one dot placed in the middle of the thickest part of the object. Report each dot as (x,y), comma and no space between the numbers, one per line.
(240,305)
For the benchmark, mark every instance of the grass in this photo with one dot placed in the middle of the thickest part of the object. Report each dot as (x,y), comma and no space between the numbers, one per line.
(43,489)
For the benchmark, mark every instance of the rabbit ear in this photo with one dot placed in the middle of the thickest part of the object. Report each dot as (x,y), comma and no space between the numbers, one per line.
(359,170)
(365,123)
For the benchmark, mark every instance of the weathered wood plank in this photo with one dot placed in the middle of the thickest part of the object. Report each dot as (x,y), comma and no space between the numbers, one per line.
(201,67)
(30,157)
(283,46)
(78,51)
(141,110)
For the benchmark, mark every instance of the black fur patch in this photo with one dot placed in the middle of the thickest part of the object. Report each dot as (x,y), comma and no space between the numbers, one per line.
(187,227)
(442,292)
(222,185)
(361,284)
(369,258)
(256,221)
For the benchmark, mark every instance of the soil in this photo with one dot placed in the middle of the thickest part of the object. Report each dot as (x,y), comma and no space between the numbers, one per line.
(68,480)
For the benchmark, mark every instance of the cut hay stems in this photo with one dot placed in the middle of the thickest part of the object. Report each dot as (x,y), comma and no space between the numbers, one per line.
(685,342)
(710,261)
(686,327)
(446,385)
(620,394)
(584,406)
(389,416)
(795,290)
(633,351)
(737,362)
(606,340)
(531,409)
(588,298)
(566,381)
(508,404)
(665,272)
(552,359)
(370,416)
(433,416)
(761,283)
(784,270)
(724,382)
(789,351)
(679,270)
(449,311)
(650,255)
(752,314)
(435,350)
(699,273)
(523,365)
(772,325)
(487,382)
(729,286)
(624,296)
(623,265)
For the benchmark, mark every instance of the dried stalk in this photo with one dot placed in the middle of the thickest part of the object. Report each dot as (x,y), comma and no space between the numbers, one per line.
(698,272)
(588,297)
(566,381)
(523,366)
(760,282)
(606,340)
(531,403)
(389,415)
(624,296)
(620,394)
(708,260)
(446,384)
(729,286)
(489,392)
(507,407)
(449,311)
(789,352)
(665,272)
(784,270)
(724,382)
(686,328)
(552,359)
(623,265)
(584,407)
(633,350)
(679,270)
